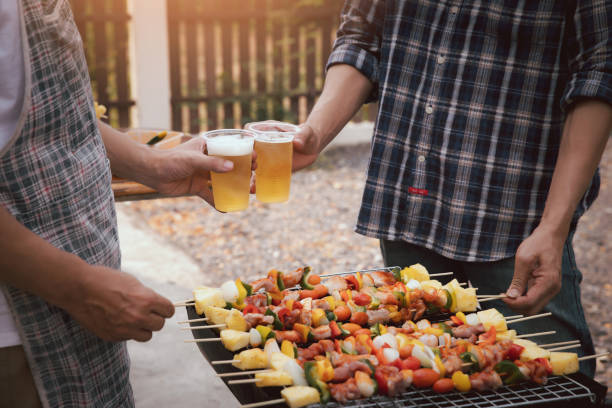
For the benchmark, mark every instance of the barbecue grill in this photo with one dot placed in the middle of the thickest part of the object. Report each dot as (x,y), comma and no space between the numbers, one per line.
(575,390)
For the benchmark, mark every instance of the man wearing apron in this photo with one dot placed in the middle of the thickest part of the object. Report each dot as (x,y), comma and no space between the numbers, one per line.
(65,308)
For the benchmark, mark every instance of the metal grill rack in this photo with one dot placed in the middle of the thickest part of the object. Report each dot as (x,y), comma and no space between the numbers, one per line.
(558,389)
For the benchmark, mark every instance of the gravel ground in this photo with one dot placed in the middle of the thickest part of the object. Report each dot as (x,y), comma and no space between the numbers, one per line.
(316,228)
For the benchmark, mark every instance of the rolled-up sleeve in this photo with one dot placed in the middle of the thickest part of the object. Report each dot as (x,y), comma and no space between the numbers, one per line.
(589,48)
(358,39)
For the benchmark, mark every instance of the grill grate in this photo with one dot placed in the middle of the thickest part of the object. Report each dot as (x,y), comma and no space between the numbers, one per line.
(557,389)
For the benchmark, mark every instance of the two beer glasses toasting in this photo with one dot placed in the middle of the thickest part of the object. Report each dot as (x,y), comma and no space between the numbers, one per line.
(273,143)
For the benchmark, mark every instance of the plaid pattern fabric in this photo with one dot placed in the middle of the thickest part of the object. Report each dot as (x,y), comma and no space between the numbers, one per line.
(55,180)
(472,98)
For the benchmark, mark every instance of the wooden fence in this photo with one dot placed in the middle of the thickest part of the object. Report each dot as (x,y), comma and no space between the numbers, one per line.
(235,61)
(103,25)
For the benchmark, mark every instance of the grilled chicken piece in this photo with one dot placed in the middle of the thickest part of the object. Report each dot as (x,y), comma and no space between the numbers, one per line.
(465,331)
(382,278)
(345,391)
(485,380)
(335,283)
(291,279)
(253,319)
(265,283)
(259,300)
(377,316)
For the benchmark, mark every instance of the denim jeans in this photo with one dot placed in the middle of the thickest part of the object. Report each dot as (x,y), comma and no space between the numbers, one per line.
(494,277)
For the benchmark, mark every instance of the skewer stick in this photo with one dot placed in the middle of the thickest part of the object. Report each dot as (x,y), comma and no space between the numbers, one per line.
(522,336)
(528,318)
(210,326)
(202,340)
(243,373)
(185,303)
(263,403)
(441,274)
(561,343)
(503,295)
(204,319)
(513,317)
(480,300)
(564,347)
(219,362)
(607,353)
(245,381)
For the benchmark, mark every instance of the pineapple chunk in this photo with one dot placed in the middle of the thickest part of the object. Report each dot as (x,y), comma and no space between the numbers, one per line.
(205,297)
(251,359)
(235,321)
(273,379)
(299,396)
(234,340)
(217,315)
(524,343)
(564,363)
(278,359)
(431,284)
(466,299)
(531,353)
(417,272)
(491,317)
(508,335)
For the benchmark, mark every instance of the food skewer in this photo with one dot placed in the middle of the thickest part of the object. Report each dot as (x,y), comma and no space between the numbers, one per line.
(571,346)
(236,374)
(529,317)
(561,343)
(210,326)
(203,319)
(523,336)
(218,362)
(604,354)
(502,295)
(244,381)
(263,403)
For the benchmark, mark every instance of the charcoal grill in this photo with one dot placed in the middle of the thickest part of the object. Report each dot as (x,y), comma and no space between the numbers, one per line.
(575,390)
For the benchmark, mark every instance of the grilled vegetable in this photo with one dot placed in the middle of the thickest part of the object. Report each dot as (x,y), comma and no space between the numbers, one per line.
(278,325)
(251,359)
(424,377)
(509,372)
(304,331)
(289,349)
(270,348)
(234,340)
(304,283)
(469,357)
(230,291)
(299,396)
(564,363)
(265,332)
(461,381)
(443,385)
(296,372)
(273,379)
(255,338)
(277,360)
(311,373)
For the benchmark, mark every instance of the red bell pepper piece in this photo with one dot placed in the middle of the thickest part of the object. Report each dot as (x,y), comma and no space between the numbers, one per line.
(282,313)
(337,346)
(456,320)
(544,362)
(488,337)
(514,352)
(381,378)
(352,281)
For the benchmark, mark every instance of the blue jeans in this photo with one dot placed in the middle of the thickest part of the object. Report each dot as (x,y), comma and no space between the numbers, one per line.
(494,277)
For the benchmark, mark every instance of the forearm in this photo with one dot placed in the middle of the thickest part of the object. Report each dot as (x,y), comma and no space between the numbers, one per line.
(30,263)
(344,92)
(128,159)
(585,134)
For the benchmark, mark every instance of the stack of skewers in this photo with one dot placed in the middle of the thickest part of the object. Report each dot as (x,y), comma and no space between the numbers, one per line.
(353,336)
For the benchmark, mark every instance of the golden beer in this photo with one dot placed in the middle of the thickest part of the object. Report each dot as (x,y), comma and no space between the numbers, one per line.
(274,154)
(231,189)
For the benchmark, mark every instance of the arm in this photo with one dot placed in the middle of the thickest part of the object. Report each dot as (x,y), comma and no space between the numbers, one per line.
(538,258)
(184,170)
(350,81)
(111,304)
(588,98)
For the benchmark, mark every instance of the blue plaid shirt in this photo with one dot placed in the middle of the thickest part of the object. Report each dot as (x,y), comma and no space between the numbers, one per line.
(472,96)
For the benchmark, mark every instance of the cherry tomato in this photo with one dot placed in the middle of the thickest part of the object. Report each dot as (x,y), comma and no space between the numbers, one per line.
(343,313)
(362,299)
(425,377)
(381,378)
(411,363)
(443,385)
(406,351)
(314,279)
(360,318)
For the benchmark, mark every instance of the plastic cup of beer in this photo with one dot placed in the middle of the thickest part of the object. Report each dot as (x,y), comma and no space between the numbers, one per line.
(274,147)
(231,190)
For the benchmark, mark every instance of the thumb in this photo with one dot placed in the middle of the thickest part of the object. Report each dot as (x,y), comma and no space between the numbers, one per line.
(306,141)
(521,277)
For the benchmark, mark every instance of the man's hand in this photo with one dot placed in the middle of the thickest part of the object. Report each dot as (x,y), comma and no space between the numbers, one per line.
(305,147)
(115,306)
(537,272)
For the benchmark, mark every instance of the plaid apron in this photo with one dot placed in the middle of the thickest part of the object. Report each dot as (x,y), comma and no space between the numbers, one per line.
(55,180)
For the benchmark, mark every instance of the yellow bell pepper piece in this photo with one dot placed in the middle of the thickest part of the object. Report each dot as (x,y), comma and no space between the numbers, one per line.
(383,328)
(325,370)
(287,348)
(289,304)
(359,280)
(317,315)
(440,366)
(330,301)
(433,330)
(461,316)
(461,381)
(402,340)
(242,292)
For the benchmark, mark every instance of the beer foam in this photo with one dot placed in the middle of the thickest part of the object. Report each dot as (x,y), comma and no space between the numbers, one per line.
(229,145)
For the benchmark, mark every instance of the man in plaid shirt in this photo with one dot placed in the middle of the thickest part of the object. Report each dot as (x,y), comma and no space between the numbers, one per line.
(492,118)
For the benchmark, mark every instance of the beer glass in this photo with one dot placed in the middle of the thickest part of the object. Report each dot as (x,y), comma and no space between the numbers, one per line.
(231,189)
(274,147)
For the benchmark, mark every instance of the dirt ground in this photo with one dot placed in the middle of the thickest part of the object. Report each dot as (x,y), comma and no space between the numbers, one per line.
(316,228)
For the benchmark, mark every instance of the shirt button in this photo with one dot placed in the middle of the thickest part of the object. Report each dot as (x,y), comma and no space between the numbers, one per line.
(441,59)
(421,158)
(454,10)
(429,109)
